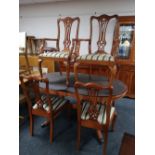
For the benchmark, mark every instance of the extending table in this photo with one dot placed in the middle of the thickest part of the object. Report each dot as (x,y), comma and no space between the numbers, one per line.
(57,84)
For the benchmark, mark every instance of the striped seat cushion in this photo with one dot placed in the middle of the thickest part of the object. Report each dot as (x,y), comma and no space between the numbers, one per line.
(101,108)
(96,57)
(57,102)
(58,55)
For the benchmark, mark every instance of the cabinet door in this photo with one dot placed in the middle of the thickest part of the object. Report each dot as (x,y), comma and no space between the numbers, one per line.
(126,73)
(126,52)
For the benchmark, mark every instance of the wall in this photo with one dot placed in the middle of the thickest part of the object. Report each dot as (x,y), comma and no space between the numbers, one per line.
(40,19)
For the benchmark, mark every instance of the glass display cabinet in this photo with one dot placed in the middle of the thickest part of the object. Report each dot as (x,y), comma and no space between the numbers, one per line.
(126,37)
(126,53)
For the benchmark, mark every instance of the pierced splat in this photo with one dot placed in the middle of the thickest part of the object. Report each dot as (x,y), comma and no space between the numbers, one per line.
(93,100)
(92,93)
(68,22)
(103,21)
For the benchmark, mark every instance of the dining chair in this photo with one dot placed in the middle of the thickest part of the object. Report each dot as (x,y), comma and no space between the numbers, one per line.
(25,49)
(34,45)
(23,68)
(103,44)
(63,53)
(94,111)
(42,104)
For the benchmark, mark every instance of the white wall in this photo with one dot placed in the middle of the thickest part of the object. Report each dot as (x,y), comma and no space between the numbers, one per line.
(40,19)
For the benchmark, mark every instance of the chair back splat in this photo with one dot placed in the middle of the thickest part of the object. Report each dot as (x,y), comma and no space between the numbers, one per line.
(107,31)
(68,24)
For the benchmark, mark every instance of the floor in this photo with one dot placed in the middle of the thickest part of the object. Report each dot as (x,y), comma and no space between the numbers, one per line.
(65,134)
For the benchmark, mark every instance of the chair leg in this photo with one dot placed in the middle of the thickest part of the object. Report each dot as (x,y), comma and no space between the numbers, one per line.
(105,140)
(51,129)
(100,136)
(67,73)
(59,66)
(113,103)
(90,71)
(31,125)
(78,136)
(113,121)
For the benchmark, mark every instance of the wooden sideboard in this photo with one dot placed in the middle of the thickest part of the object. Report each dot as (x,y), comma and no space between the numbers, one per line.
(33,63)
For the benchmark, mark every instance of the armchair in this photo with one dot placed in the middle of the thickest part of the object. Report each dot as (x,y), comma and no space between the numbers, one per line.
(65,53)
(102,44)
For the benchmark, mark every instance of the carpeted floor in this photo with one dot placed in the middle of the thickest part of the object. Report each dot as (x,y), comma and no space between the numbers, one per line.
(65,134)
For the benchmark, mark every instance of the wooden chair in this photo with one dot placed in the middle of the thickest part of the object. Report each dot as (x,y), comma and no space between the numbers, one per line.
(65,54)
(23,69)
(45,105)
(94,111)
(34,45)
(103,43)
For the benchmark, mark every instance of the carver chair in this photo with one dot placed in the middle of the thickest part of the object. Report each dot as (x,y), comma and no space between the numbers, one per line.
(102,44)
(94,111)
(42,104)
(63,53)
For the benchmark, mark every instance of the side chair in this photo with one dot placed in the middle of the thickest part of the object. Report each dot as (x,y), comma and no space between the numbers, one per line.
(43,104)
(94,111)
(68,28)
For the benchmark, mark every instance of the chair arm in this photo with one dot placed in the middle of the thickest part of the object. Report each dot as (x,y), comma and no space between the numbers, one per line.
(31,77)
(51,49)
(50,39)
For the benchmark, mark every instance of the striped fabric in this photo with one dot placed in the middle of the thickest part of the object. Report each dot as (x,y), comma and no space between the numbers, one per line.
(101,108)
(57,102)
(61,54)
(96,57)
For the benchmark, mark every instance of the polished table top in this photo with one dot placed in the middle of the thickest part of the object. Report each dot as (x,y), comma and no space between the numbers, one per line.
(57,84)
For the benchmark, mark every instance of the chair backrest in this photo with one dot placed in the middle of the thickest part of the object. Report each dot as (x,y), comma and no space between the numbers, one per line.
(92,96)
(104,34)
(23,51)
(34,45)
(68,28)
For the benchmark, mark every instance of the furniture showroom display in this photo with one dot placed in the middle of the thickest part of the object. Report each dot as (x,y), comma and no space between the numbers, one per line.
(94,80)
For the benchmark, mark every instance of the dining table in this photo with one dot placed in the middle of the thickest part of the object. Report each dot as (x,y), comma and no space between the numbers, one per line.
(57,86)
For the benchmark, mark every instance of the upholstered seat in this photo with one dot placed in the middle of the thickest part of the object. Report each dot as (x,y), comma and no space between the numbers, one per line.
(57,103)
(96,57)
(100,108)
(55,55)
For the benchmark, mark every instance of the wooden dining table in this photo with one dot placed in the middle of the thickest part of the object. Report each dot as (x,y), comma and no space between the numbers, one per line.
(57,86)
